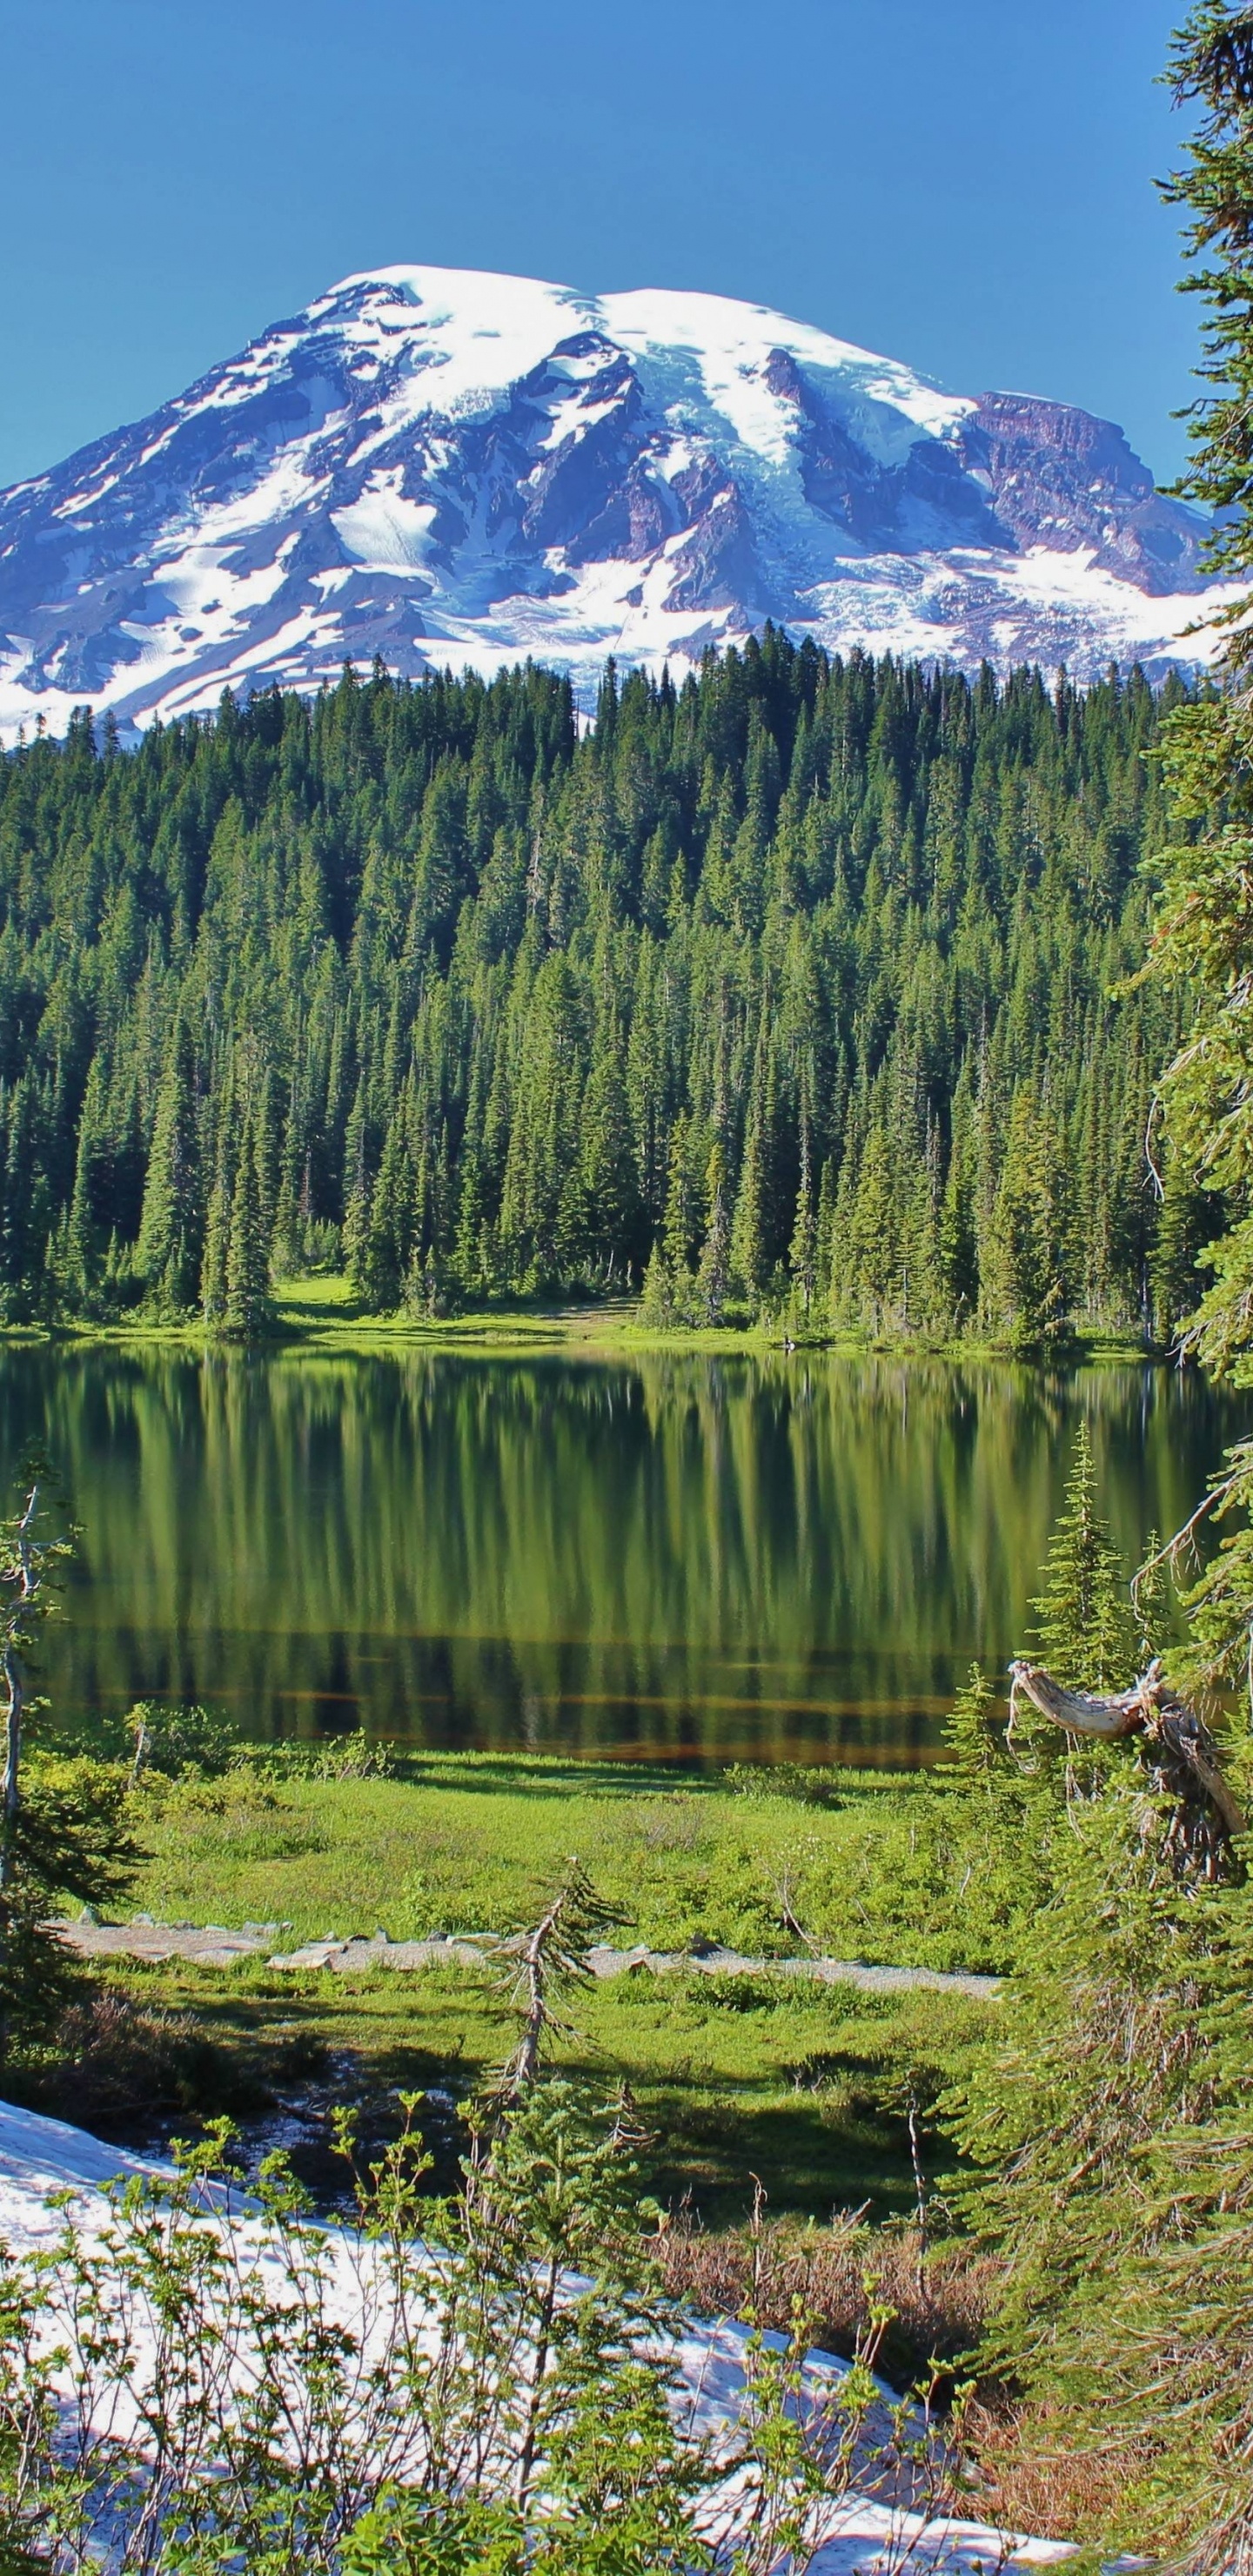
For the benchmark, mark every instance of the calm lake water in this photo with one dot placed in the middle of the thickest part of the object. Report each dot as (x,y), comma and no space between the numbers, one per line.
(685,1558)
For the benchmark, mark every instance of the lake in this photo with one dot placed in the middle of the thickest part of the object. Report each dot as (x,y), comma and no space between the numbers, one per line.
(667,1557)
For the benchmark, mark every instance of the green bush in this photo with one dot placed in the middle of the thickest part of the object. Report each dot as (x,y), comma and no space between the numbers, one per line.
(803,1784)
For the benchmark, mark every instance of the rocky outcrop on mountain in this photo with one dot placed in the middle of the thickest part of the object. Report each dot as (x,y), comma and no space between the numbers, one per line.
(1062,479)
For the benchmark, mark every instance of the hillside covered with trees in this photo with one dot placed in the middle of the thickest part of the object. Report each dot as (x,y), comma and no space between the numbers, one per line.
(795,985)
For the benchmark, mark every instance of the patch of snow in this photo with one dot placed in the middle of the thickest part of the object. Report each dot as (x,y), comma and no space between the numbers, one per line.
(383,530)
(733,342)
(39,2156)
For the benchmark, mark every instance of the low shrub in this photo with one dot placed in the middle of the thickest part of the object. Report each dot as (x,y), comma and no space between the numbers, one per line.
(177,1737)
(836,2275)
(116,2059)
(803,1784)
(357,1756)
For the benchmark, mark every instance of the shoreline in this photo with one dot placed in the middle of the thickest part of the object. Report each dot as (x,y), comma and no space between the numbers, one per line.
(321,1315)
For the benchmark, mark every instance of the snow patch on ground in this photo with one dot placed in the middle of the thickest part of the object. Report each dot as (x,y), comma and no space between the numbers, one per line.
(851,2537)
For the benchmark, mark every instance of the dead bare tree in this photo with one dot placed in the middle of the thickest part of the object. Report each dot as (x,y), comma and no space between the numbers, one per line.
(21,1573)
(1180,1755)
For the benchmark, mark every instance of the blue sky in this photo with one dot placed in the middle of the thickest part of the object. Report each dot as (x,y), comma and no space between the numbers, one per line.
(967,187)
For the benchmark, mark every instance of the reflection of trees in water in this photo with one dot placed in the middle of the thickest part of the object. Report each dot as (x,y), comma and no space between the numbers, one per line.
(730,1553)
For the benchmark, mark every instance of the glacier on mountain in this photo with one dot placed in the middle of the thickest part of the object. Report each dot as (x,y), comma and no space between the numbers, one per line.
(447,467)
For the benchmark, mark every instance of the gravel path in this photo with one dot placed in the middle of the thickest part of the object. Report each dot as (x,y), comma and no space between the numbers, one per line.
(211,1945)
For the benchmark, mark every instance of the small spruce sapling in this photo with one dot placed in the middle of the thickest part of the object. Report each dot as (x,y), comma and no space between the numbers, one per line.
(1085,1627)
(974,1738)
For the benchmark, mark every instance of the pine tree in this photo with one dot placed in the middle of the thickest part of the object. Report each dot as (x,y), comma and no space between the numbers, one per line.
(872,1249)
(23,1205)
(213,1263)
(247,1254)
(472,1272)
(975,1752)
(682,1227)
(657,1303)
(80,1254)
(1085,1629)
(748,1230)
(803,1249)
(171,1227)
(1111,2118)
(610,1175)
(1026,1290)
(715,1261)
(389,1234)
(356,1192)
(1058,2109)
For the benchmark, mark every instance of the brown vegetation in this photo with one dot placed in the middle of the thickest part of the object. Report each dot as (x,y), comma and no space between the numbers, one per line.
(1029,2482)
(938,2299)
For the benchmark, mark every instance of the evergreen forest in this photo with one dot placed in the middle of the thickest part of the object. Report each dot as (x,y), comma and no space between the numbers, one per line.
(800,988)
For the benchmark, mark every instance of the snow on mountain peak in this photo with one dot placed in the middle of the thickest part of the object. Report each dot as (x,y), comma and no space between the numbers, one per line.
(452,466)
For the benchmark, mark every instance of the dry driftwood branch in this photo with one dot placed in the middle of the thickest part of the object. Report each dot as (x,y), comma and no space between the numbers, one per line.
(1179,1748)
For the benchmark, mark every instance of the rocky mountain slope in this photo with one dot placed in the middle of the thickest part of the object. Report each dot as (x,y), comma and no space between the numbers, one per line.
(444,466)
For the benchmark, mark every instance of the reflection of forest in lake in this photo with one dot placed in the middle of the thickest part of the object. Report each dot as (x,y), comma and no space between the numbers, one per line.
(774,1558)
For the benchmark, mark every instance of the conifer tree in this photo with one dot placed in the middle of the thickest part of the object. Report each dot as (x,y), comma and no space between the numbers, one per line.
(974,1742)
(803,1249)
(389,1232)
(609,1173)
(657,1303)
(216,1244)
(714,1268)
(356,1192)
(682,1230)
(1026,1291)
(247,1254)
(1112,2120)
(1085,1629)
(23,1204)
(80,1262)
(171,1226)
(748,1230)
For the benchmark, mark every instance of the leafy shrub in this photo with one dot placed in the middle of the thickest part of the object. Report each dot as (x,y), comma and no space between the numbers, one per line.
(803,1784)
(175,1737)
(114,2057)
(511,2410)
(357,1756)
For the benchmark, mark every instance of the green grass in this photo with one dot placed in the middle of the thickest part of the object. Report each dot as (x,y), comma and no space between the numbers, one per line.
(472,1842)
(732,2080)
(734,2077)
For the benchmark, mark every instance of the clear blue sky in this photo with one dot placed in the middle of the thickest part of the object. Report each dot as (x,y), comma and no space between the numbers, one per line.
(967,186)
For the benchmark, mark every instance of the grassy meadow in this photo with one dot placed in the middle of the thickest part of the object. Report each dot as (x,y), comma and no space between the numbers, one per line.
(472,1842)
(733,2079)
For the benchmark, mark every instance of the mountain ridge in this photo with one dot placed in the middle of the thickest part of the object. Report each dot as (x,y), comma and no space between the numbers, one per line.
(458,467)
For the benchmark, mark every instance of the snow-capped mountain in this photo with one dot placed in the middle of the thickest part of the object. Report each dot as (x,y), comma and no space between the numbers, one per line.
(448,467)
